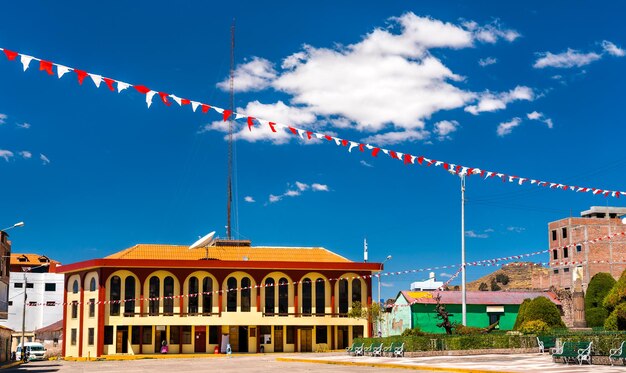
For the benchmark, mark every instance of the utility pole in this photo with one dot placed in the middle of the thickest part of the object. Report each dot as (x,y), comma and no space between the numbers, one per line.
(463,290)
(23,354)
(229,192)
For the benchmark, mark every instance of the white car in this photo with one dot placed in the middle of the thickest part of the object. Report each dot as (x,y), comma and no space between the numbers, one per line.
(34,351)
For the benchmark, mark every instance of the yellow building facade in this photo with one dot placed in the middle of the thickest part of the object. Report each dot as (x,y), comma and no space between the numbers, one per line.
(252,299)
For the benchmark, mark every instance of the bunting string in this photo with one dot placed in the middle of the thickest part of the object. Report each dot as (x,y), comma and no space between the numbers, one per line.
(484,262)
(253,122)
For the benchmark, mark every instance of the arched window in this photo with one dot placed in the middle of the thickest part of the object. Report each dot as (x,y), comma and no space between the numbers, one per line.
(283,296)
(129,296)
(270,294)
(231,296)
(192,306)
(116,291)
(245,294)
(320,296)
(356,290)
(306,296)
(168,296)
(75,287)
(207,296)
(154,293)
(343,295)
(92,284)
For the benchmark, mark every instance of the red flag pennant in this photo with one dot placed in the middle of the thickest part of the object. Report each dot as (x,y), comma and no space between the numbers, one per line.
(226,114)
(109,82)
(408,159)
(420,159)
(328,138)
(81,75)
(393,154)
(184,101)
(375,152)
(362,147)
(431,162)
(272,124)
(293,130)
(344,142)
(45,66)
(142,89)
(250,123)
(205,108)
(10,54)
(458,169)
(163,96)
(617,194)
(308,134)
(446,166)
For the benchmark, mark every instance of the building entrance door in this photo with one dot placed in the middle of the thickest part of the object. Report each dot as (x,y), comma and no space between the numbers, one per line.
(159,337)
(243,339)
(200,341)
(342,337)
(233,338)
(278,339)
(121,344)
(306,340)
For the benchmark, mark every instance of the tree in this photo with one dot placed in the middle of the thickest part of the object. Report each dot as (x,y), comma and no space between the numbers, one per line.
(617,318)
(370,314)
(539,308)
(494,285)
(443,315)
(502,278)
(483,287)
(617,294)
(599,286)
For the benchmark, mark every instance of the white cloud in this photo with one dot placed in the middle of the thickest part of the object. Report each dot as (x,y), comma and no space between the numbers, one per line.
(490,33)
(6,154)
(612,49)
(445,275)
(489,101)
(444,128)
(44,159)
(366,164)
(292,193)
(487,61)
(23,125)
(472,234)
(540,117)
(26,154)
(390,138)
(302,186)
(3,118)
(516,229)
(570,58)
(274,198)
(386,284)
(255,75)
(489,230)
(249,199)
(507,127)
(319,187)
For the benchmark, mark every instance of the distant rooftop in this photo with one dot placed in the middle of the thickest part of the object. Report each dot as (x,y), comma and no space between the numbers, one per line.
(604,212)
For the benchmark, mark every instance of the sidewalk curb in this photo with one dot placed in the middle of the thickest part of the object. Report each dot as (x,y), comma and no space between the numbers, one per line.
(389,365)
(11,365)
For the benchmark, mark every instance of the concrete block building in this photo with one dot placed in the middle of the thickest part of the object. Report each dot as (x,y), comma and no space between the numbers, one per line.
(582,261)
(271,299)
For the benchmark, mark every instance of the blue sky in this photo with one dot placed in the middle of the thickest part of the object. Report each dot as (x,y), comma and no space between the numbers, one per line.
(528,89)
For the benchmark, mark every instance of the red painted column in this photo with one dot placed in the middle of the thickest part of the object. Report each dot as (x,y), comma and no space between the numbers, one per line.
(101,299)
(370,324)
(258,300)
(81,316)
(65,332)
(332,297)
(295,300)
(221,297)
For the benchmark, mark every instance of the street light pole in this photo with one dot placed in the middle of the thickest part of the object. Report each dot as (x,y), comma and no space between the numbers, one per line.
(463,279)
(379,308)
(23,354)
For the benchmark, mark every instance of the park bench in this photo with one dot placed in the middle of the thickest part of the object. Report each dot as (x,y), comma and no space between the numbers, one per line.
(399,351)
(356,347)
(390,349)
(546,343)
(618,353)
(574,351)
(367,350)
(377,350)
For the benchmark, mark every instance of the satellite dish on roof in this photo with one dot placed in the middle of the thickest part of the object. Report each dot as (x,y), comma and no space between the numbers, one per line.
(204,241)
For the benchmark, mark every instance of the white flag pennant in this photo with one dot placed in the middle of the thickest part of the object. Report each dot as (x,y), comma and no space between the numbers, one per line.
(337,141)
(194,105)
(149,97)
(352,145)
(25,60)
(62,70)
(97,79)
(178,100)
(121,86)
(239,116)
(385,151)
(219,110)
(319,135)
(400,155)
(300,133)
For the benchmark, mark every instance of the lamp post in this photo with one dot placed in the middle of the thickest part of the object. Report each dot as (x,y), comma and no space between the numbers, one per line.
(19,224)
(463,279)
(23,343)
(379,308)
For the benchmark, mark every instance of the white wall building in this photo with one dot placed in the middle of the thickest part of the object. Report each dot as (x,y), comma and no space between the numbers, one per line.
(428,285)
(44,303)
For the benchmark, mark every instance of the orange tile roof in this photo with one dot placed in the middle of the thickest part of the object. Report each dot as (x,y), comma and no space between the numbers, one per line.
(30,259)
(230,253)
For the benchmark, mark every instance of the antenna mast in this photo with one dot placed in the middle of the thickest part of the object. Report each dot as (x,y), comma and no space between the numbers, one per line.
(229,192)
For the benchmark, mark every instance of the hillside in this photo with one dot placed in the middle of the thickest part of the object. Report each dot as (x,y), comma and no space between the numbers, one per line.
(519,277)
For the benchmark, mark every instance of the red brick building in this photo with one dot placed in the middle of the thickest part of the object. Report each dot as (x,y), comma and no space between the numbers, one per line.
(586,259)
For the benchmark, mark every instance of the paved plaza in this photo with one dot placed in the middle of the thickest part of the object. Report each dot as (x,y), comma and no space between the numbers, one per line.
(332,362)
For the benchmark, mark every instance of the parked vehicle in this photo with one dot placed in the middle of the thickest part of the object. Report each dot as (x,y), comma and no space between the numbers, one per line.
(34,351)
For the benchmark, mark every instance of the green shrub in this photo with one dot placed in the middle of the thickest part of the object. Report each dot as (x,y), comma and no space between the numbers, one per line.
(543,309)
(617,294)
(617,318)
(599,286)
(502,278)
(461,329)
(534,327)
(483,287)
(520,314)
(494,285)
(412,332)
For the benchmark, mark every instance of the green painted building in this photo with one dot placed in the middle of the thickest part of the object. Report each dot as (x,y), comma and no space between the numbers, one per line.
(417,308)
